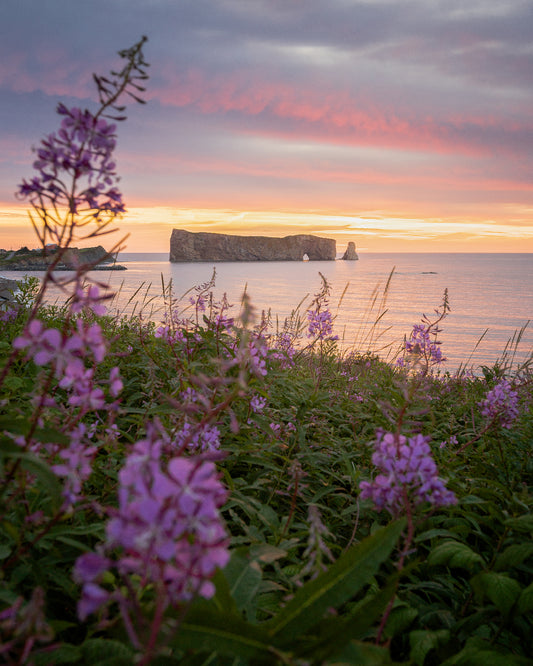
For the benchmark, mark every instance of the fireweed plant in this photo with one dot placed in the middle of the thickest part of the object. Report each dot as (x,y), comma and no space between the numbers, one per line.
(211,488)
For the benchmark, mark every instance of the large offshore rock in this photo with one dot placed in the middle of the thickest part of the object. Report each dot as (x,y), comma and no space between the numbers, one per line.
(350,254)
(203,246)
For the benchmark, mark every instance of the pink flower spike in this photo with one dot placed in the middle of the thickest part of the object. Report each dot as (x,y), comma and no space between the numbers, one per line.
(115,382)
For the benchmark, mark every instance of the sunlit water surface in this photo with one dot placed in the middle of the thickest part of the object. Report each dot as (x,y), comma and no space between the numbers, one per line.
(490,295)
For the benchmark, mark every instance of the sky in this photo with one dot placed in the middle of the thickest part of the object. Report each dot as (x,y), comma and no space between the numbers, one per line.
(401,125)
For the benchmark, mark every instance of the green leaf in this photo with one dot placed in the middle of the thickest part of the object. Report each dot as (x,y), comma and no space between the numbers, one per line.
(13,424)
(338,584)
(401,617)
(365,654)
(432,534)
(455,554)
(266,553)
(521,524)
(44,474)
(502,590)
(244,579)
(13,383)
(223,601)
(525,601)
(79,545)
(478,653)
(422,642)
(97,651)
(513,556)
(209,631)
(64,654)
(333,635)
(50,435)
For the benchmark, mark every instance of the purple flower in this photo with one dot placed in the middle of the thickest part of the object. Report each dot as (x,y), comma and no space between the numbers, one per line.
(80,152)
(421,345)
(198,302)
(85,394)
(253,355)
(90,566)
(170,334)
(76,464)
(9,315)
(167,525)
(200,438)
(89,298)
(321,324)
(49,345)
(284,349)
(257,354)
(88,571)
(224,322)
(168,522)
(258,404)
(408,473)
(451,441)
(501,404)
(115,382)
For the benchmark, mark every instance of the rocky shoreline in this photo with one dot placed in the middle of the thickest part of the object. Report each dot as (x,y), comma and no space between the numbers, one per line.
(60,267)
(39,260)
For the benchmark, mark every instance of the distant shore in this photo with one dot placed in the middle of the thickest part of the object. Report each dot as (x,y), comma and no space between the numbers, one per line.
(41,259)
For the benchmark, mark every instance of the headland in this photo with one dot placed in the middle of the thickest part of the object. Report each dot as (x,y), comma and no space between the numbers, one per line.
(40,259)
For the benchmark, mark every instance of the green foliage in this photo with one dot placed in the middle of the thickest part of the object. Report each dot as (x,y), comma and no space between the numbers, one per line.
(464,595)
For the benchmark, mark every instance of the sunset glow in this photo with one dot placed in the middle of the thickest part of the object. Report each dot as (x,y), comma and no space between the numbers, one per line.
(402,127)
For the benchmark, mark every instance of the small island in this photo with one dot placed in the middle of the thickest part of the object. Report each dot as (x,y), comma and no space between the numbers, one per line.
(40,259)
(186,246)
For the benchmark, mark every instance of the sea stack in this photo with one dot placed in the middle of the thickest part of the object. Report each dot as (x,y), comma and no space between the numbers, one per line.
(350,254)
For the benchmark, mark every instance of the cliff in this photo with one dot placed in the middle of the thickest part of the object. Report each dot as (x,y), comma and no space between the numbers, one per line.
(203,246)
(39,260)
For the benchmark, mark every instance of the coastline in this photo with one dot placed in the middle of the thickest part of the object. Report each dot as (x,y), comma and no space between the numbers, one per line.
(42,268)
(68,259)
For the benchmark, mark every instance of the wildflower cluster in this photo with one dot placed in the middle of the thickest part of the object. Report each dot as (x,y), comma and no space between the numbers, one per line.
(501,404)
(421,346)
(422,349)
(408,474)
(251,353)
(66,352)
(284,348)
(80,152)
(167,524)
(321,324)
(202,438)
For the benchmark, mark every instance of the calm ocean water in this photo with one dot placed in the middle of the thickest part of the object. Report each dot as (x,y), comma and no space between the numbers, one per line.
(490,295)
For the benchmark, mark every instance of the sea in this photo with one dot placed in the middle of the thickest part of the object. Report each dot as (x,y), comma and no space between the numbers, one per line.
(375,300)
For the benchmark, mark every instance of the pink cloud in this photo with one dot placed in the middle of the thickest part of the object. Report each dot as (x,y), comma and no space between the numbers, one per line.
(320,113)
(414,179)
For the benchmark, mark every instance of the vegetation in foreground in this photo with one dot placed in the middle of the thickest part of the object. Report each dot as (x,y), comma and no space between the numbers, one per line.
(208,490)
